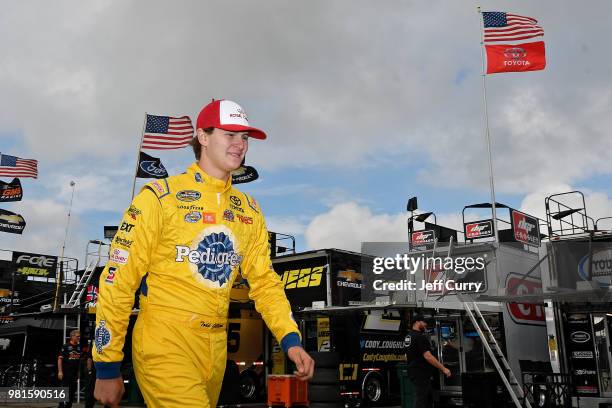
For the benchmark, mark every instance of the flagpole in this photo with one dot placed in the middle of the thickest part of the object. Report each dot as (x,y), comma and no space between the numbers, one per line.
(138,155)
(487,133)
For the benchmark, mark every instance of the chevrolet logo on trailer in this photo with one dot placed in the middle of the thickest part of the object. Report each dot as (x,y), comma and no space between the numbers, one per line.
(350,279)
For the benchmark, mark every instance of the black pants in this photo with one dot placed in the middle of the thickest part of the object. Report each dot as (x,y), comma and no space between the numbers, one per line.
(422,392)
(70,381)
(90,401)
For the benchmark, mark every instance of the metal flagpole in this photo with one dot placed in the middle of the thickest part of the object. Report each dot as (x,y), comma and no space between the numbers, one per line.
(60,272)
(487,133)
(138,155)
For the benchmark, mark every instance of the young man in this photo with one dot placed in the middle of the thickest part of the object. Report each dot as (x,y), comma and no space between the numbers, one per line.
(183,241)
(68,363)
(420,360)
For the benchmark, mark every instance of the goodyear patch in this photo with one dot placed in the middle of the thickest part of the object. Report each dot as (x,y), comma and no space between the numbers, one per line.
(102,337)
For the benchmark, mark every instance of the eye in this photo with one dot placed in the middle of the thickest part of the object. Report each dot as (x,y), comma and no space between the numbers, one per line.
(245,138)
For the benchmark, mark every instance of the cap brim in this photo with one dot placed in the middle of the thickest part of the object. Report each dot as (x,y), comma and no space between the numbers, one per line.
(253,132)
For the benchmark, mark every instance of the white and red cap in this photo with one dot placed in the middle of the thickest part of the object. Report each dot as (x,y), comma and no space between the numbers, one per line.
(227,115)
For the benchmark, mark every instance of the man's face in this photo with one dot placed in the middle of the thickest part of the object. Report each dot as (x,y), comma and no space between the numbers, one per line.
(223,149)
(421,326)
(75,338)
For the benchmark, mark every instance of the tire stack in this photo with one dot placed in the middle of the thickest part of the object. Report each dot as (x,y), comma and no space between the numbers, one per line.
(324,388)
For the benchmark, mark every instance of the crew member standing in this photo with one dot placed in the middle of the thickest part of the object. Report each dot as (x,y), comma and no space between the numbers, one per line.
(183,241)
(68,363)
(420,362)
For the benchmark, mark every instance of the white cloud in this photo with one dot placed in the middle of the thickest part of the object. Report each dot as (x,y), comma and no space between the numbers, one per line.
(347,225)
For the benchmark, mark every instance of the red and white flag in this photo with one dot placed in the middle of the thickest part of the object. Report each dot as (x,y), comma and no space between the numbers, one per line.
(513,43)
(165,132)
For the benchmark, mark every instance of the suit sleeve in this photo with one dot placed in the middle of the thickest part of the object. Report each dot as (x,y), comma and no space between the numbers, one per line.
(267,290)
(128,263)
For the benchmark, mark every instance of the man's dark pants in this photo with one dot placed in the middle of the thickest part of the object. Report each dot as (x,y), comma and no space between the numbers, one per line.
(70,381)
(422,391)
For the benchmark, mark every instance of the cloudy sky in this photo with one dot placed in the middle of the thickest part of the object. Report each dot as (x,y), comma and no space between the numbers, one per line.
(366,103)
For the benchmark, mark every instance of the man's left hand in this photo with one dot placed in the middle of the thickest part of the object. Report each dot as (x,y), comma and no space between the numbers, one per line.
(303,363)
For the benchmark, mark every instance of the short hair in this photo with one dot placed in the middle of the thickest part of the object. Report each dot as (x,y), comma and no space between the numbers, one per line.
(195,143)
(75,332)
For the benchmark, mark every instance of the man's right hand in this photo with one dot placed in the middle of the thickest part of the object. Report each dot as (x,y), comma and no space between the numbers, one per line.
(109,392)
(446,372)
(60,376)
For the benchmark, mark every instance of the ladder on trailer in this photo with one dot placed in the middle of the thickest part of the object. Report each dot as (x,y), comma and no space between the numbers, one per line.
(81,286)
(89,271)
(497,356)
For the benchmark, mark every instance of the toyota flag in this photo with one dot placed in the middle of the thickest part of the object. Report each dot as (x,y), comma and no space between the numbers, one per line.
(513,43)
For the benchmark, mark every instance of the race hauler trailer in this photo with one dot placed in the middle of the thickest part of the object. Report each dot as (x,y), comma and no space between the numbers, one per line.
(360,331)
(577,278)
(356,348)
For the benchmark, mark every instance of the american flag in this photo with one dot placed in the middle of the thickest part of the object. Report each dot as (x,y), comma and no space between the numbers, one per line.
(508,27)
(165,132)
(11,166)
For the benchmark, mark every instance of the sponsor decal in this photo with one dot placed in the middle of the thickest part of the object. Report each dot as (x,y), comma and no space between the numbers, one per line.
(385,344)
(209,218)
(213,256)
(303,278)
(188,195)
(198,178)
(11,191)
(580,337)
(190,207)
(119,256)
(123,242)
(228,215)
(133,212)
(601,267)
(584,371)
(126,227)
(193,216)
(236,204)
(422,237)
(525,228)
(29,264)
(582,354)
(110,278)
(525,313)
(383,357)
(11,222)
(92,294)
(102,337)
(349,279)
(158,187)
(407,341)
(480,229)
(348,372)
(245,220)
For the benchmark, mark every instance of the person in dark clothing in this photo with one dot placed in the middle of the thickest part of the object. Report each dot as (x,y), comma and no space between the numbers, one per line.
(420,362)
(68,363)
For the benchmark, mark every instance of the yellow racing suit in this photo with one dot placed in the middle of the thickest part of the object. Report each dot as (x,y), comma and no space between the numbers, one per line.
(183,240)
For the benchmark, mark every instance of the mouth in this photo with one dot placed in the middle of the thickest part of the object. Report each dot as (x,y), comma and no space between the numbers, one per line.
(235,155)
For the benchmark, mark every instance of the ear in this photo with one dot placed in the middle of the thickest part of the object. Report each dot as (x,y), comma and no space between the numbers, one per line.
(202,137)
